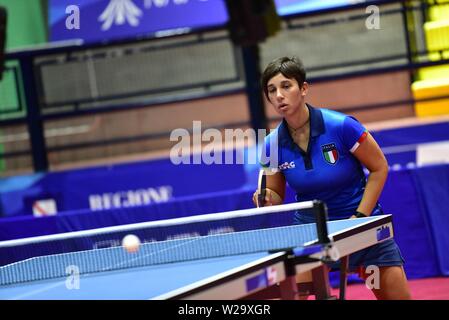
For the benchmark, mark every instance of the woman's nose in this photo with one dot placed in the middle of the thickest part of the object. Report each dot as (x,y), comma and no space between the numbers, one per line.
(279,94)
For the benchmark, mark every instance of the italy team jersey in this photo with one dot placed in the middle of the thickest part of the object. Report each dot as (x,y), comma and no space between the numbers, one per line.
(327,170)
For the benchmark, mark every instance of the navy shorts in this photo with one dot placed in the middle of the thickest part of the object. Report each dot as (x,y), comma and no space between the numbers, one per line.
(382,254)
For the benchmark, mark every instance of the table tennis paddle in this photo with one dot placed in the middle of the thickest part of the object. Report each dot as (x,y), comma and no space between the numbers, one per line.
(262,188)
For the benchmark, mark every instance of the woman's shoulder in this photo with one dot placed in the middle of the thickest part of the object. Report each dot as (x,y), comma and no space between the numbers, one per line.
(333,115)
(333,119)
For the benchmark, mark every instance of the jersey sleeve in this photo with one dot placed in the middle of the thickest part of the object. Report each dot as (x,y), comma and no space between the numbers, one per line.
(354,133)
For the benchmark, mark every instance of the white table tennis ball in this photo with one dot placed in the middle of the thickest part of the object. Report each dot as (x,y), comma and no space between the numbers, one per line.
(131,243)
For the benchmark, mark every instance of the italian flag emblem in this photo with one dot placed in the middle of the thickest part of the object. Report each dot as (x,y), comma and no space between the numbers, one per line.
(330,153)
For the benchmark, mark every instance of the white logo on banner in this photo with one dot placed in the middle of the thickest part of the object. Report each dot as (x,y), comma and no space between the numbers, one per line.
(45,207)
(163,3)
(130,198)
(119,11)
(157,3)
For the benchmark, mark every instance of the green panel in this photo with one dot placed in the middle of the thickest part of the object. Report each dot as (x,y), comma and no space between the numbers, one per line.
(9,93)
(26,26)
(8,102)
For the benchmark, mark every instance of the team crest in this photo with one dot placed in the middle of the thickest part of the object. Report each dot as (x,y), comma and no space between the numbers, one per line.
(330,153)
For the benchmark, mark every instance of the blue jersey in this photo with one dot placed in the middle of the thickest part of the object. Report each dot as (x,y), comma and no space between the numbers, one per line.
(327,170)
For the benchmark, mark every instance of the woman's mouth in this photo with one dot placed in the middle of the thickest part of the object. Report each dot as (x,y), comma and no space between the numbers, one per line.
(283,106)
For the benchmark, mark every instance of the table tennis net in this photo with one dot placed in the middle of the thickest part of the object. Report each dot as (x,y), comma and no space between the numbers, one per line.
(166,241)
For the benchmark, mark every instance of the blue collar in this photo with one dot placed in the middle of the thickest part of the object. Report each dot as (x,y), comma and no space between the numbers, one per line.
(316,126)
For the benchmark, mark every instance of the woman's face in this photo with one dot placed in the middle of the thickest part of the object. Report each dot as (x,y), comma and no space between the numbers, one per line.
(285,94)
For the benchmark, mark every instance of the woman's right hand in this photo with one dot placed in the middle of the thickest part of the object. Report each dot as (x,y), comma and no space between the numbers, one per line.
(268,198)
(274,190)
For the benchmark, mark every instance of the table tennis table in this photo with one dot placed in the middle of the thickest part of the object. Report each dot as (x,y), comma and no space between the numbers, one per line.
(223,277)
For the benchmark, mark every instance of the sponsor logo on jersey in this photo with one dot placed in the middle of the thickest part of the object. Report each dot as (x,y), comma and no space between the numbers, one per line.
(287,165)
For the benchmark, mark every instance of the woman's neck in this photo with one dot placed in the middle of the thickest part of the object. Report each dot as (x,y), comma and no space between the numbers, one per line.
(298,122)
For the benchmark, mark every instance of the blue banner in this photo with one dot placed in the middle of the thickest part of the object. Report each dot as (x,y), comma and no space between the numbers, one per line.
(291,7)
(105,20)
(117,186)
(433,184)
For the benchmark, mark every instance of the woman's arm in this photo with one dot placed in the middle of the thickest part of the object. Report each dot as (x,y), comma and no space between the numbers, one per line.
(372,157)
(275,191)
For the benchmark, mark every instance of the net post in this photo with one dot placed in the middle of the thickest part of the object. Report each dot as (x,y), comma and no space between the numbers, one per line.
(320,212)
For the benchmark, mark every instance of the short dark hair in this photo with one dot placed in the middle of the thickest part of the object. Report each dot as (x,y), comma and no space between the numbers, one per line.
(289,67)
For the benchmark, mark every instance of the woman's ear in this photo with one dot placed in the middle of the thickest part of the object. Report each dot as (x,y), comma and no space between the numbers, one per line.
(304,89)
